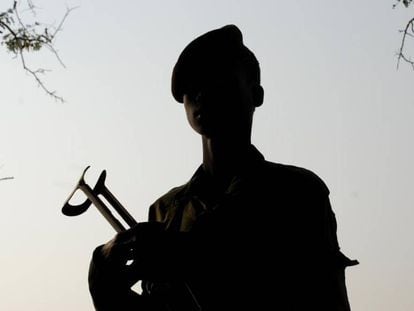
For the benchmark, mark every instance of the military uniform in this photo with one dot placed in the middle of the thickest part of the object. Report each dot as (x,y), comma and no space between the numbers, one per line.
(267,242)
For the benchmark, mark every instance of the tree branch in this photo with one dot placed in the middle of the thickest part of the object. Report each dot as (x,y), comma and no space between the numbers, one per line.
(406,33)
(6,178)
(35,75)
(3,24)
(60,26)
(21,38)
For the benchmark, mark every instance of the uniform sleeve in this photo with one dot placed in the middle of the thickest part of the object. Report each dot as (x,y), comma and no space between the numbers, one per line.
(335,261)
(153,215)
(325,281)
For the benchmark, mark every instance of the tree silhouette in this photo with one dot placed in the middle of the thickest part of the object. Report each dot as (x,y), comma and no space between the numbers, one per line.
(407,33)
(25,36)
(6,178)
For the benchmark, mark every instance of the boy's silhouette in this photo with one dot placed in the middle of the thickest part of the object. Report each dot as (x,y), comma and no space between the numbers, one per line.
(242,233)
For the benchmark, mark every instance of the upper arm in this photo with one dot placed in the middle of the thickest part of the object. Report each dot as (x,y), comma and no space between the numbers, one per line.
(333,261)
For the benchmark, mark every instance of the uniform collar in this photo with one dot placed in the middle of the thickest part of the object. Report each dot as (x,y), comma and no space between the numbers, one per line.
(200,182)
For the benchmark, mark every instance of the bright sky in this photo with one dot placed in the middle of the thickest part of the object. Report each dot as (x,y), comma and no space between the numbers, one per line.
(334,103)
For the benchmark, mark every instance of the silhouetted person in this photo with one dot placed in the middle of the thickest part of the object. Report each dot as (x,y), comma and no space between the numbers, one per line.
(242,233)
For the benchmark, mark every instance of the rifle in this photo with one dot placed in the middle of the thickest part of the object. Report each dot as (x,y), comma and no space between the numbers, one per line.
(93,198)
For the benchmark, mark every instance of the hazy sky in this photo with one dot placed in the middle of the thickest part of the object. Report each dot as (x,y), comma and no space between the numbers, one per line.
(334,103)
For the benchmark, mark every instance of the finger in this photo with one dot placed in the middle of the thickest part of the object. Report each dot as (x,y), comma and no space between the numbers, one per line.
(116,253)
(131,274)
(125,237)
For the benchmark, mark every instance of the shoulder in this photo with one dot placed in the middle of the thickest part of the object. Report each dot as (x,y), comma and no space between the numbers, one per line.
(161,207)
(295,176)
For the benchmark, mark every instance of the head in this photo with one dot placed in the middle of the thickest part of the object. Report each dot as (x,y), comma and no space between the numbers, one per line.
(218,79)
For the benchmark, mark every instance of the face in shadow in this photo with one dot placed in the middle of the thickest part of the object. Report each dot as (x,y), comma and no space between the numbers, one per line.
(219,103)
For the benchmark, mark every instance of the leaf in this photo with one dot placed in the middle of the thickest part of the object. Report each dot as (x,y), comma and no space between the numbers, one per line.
(407,3)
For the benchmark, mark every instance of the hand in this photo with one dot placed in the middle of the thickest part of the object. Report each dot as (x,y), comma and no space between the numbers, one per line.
(110,274)
(124,260)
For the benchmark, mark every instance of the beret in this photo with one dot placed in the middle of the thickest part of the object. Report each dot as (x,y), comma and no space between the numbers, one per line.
(218,48)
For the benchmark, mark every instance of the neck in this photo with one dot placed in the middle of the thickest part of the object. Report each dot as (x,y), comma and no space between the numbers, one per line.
(222,159)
